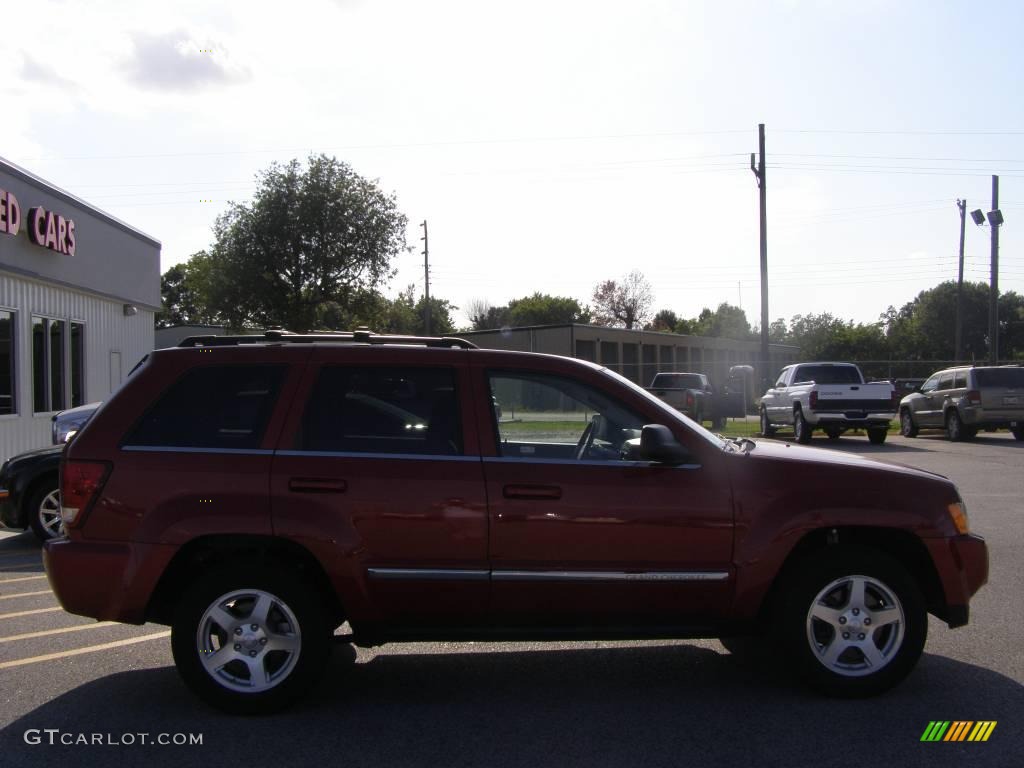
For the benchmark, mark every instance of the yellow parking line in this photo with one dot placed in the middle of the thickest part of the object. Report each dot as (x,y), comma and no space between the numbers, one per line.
(26,594)
(45,632)
(29,613)
(87,649)
(22,578)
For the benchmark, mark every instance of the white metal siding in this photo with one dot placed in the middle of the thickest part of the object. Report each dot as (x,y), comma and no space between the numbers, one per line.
(106,330)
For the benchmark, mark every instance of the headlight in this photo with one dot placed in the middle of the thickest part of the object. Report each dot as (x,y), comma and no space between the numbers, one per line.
(958,513)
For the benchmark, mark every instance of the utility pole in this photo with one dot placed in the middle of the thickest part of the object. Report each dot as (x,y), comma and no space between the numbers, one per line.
(993,297)
(426,276)
(759,174)
(959,345)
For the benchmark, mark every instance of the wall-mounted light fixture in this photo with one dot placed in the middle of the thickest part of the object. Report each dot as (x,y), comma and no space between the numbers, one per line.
(130,310)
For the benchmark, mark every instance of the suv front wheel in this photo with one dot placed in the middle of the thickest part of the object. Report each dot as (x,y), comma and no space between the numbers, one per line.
(853,621)
(250,641)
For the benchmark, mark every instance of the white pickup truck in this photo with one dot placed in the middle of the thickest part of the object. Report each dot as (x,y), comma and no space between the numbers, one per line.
(830,396)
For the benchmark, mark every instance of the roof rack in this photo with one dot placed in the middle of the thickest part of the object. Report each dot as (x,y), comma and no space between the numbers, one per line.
(358,336)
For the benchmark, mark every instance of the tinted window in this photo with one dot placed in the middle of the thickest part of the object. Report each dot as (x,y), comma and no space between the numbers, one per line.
(554,417)
(1000,377)
(945,381)
(959,379)
(827,374)
(383,410)
(217,407)
(7,364)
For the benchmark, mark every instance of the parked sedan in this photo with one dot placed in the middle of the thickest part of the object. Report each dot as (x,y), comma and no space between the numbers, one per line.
(964,400)
(29,492)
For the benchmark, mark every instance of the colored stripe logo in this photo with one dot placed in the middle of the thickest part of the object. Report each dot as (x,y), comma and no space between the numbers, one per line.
(959,730)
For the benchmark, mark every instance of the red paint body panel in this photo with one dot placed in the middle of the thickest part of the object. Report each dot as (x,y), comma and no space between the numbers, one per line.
(476,523)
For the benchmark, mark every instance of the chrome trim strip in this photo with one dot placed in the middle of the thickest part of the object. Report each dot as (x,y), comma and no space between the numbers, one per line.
(359,455)
(574,462)
(185,449)
(429,574)
(609,576)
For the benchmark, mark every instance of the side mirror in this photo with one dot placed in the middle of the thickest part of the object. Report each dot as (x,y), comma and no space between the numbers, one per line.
(657,443)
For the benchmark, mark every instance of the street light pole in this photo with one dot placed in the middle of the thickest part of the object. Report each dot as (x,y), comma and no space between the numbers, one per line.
(993,297)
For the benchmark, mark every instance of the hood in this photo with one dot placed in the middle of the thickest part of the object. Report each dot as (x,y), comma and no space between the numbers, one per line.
(773,450)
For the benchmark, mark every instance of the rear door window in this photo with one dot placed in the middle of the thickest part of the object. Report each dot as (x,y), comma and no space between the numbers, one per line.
(217,407)
(945,382)
(383,410)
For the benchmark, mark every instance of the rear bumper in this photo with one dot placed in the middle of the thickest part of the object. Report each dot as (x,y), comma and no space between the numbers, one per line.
(108,581)
(991,419)
(850,420)
(962,565)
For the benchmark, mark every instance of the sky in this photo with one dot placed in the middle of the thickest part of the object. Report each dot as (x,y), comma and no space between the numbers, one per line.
(552,145)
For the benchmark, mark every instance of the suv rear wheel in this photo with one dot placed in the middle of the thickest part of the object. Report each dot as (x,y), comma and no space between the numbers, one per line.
(250,641)
(853,621)
(955,427)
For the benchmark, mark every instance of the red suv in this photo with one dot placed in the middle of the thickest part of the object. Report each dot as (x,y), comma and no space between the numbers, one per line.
(255,493)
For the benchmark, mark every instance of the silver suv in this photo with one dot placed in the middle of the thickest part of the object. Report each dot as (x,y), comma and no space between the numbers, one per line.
(965,400)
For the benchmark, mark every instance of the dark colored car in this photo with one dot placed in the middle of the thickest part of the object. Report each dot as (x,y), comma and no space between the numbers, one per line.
(254,493)
(66,423)
(29,492)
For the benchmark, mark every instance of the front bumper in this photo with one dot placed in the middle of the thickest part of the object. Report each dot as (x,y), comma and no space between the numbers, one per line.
(107,581)
(962,565)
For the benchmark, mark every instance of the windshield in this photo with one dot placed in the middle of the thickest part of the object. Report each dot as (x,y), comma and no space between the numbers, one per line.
(671,413)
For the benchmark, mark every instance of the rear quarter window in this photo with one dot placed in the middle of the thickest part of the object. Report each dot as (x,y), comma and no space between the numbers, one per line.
(223,407)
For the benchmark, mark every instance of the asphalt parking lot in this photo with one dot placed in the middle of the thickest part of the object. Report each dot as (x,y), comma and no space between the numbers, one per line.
(569,704)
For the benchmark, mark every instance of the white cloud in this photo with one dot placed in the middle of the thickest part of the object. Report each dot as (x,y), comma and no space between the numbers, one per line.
(176,62)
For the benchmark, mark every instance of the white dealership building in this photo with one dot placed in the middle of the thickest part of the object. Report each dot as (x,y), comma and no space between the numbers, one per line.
(78,291)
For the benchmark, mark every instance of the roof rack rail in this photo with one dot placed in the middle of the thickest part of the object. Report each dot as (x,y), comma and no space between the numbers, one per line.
(358,336)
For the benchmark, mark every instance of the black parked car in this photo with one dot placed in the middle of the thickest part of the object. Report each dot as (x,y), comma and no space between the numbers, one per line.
(29,492)
(29,482)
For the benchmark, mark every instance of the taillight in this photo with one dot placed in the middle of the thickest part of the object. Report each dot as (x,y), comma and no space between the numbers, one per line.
(895,398)
(813,402)
(974,397)
(689,399)
(80,485)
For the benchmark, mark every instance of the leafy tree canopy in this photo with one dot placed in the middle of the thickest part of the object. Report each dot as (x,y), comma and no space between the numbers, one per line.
(312,248)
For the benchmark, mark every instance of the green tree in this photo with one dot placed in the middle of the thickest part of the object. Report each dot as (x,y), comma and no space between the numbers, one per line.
(542,309)
(181,296)
(728,321)
(311,249)
(407,315)
(665,320)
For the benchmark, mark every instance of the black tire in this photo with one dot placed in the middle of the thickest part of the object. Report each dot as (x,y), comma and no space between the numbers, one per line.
(827,656)
(907,426)
(877,435)
(833,432)
(955,427)
(767,430)
(1018,433)
(802,431)
(305,631)
(42,511)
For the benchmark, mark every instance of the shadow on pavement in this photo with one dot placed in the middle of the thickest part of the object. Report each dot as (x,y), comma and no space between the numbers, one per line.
(679,705)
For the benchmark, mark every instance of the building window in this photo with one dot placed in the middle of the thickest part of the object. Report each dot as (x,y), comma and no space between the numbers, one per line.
(8,405)
(77,364)
(48,357)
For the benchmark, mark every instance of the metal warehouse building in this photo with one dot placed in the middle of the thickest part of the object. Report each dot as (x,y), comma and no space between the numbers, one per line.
(78,291)
(638,355)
